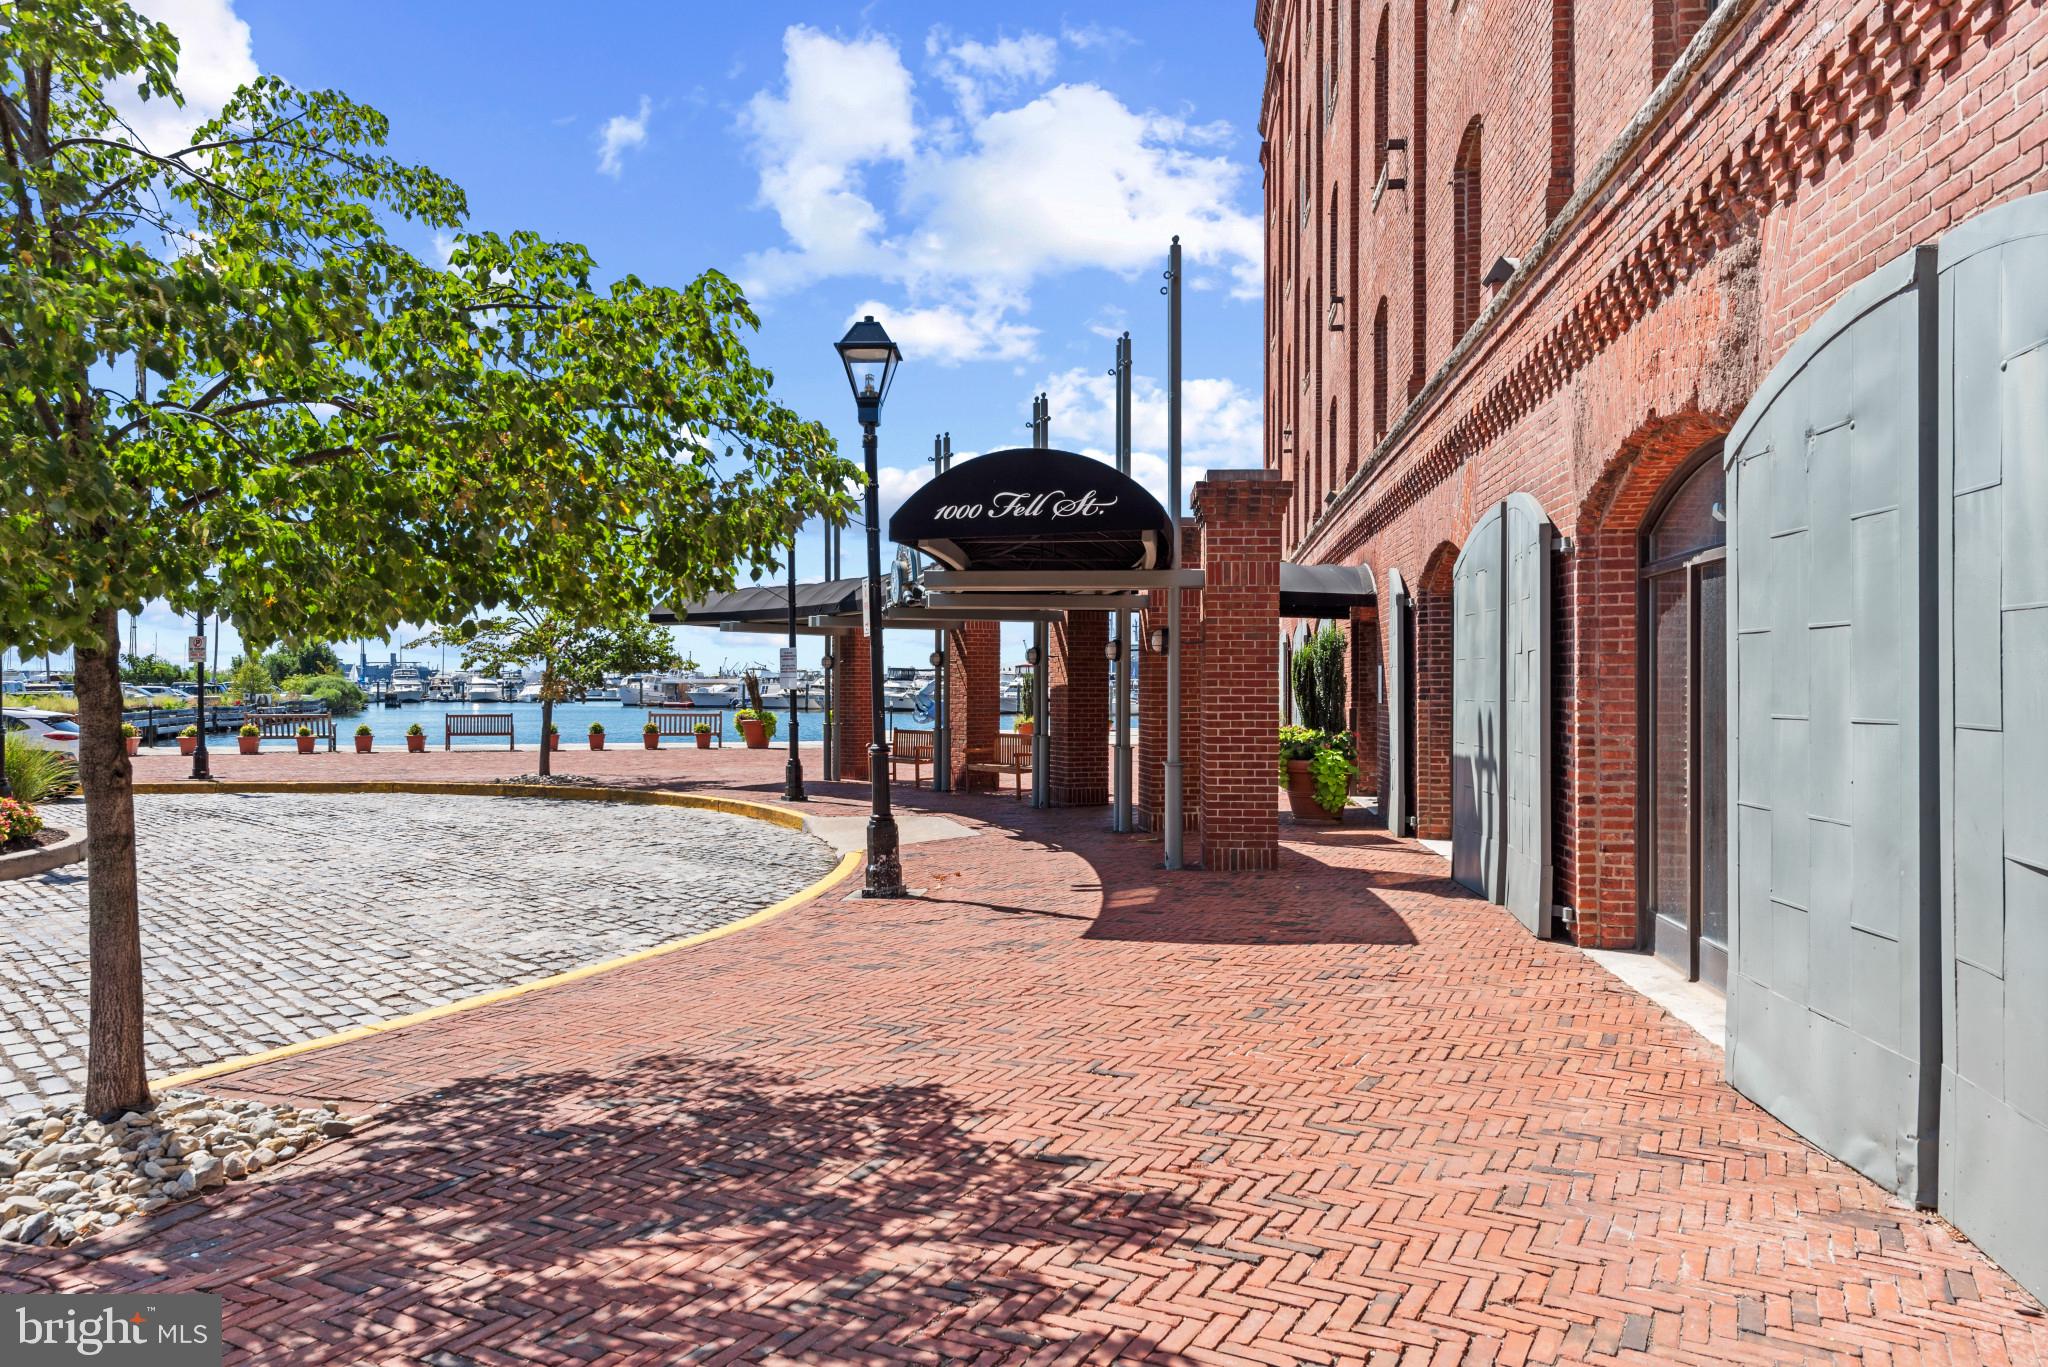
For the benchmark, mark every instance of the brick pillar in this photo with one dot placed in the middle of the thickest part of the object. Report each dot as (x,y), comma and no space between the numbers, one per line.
(1433,609)
(1241,514)
(1363,631)
(1150,800)
(974,668)
(1078,684)
(851,706)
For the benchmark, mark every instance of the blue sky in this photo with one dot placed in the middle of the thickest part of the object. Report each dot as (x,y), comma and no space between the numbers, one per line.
(1000,194)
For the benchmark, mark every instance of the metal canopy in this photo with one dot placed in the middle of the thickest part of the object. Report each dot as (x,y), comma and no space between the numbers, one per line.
(1048,602)
(1325,590)
(763,603)
(1034,508)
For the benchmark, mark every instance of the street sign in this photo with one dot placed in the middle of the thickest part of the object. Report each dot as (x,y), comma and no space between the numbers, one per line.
(195,650)
(789,677)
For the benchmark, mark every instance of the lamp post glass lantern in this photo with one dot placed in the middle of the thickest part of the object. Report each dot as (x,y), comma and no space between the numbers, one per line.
(871,359)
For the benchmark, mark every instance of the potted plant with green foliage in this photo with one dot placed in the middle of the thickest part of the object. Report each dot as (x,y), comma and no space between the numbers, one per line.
(249,738)
(703,735)
(650,736)
(757,725)
(597,735)
(1027,700)
(131,739)
(415,739)
(188,740)
(364,737)
(305,739)
(554,737)
(1316,770)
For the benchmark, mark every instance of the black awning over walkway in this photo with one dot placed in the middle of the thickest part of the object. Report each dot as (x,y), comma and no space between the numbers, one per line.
(1325,590)
(764,603)
(1033,508)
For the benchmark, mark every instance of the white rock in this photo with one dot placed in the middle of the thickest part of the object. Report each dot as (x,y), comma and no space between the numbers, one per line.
(17,1204)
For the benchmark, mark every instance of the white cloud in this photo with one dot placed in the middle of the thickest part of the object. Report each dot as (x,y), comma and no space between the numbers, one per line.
(1220,424)
(966,219)
(947,335)
(619,134)
(214,60)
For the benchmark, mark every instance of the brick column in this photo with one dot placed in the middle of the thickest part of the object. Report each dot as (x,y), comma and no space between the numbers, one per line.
(1363,641)
(1241,513)
(1150,799)
(1078,684)
(974,668)
(850,707)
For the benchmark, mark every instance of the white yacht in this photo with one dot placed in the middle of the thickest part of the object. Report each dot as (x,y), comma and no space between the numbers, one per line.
(408,684)
(715,693)
(483,688)
(527,693)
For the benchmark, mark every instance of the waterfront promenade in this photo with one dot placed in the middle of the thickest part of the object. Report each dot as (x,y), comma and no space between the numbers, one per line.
(1062,1107)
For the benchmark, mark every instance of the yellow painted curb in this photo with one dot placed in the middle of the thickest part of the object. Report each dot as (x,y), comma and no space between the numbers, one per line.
(642,797)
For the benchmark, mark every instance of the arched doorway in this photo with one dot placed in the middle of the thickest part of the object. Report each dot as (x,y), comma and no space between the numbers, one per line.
(1685,723)
(1434,621)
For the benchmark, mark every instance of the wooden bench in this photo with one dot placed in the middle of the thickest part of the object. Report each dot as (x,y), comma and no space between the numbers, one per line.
(682,722)
(280,725)
(477,724)
(1011,755)
(915,748)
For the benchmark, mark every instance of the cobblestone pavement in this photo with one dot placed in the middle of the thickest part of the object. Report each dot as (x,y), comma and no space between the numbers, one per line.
(1067,1108)
(272,918)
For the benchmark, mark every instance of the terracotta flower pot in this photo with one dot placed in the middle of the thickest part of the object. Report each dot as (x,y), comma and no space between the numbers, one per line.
(133,743)
(554,741)
(1024,728)
(756,733)
(248,744)
(651,739)
(596,740)
(363,744)
(187,744)
(415,744)
(1301,795)
(703,740)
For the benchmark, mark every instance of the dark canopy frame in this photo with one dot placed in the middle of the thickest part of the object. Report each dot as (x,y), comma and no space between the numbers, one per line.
(1325,591)
(1035,508)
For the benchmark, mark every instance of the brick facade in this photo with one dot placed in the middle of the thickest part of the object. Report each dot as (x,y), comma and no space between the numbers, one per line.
(1681,189)
(974,682)
(851,707)
(1077,686)
(1240,514)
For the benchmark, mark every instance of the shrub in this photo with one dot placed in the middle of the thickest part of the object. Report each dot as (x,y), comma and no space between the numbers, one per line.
(703,728)
(363,730)
(415,730)
(18,820)
(1329,756)
(128,729)
(189,731)
(1319,680)
(306,731)
(597,728)
(38,775)
(343,698)
(250,728)
(553,729)
(649,729)
(761,715)
(1333,774)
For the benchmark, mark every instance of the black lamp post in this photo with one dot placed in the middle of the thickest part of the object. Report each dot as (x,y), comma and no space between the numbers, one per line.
(202,763)
(870,359)
(793,772)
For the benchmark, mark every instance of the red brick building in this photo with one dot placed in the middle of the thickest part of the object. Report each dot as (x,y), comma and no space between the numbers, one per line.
(1553,247)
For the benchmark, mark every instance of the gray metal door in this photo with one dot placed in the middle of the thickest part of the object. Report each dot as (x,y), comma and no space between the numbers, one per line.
(1397,797)
(1993,468)
(1526,710)
(1478,720)
(1828,471)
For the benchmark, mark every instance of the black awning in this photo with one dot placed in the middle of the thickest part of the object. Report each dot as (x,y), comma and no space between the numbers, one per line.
(1033,508)
(1325,590)
(764,603)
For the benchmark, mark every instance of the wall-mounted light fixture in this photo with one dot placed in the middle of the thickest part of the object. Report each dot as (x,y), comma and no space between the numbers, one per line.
(1031,656)
(1113,652)
(1157,640)
(1498,274)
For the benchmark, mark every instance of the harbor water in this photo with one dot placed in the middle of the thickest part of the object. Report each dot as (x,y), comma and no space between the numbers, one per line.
(572,720)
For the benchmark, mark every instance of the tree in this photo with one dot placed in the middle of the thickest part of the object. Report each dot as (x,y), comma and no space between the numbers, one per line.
(286,660)
(574,657)
(340,436)
(343,698)
(248,677)
(148,669)
(1319,681)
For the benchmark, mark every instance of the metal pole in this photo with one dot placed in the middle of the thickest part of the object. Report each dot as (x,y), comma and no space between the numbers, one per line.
(1041,637)
(1120,677)
(202,764)
(6,789)
(942,683)
(828,715)
(885,860)
(793,774)
(1174,817)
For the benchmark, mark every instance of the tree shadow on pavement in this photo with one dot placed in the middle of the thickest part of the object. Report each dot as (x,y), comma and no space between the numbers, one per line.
(676,1207)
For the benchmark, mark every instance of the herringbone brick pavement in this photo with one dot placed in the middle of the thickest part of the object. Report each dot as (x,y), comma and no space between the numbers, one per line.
(1066,1108)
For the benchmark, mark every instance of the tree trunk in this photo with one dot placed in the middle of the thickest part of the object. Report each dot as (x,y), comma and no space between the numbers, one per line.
(547,737)
(116,1076)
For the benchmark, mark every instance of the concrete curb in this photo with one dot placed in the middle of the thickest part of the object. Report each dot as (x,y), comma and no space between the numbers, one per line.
(29,863)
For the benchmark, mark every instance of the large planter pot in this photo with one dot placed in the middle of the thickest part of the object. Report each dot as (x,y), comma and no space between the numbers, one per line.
(305,744)
(248,744)
(703,740)
(651,739)
(416,744)
(132,743)
(1301,795)
(554,741)
(756,734)
(363,744)
(597,740)
(187,744)
(1024,728)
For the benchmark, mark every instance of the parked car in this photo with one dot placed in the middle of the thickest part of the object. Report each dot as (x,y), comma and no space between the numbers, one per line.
(45,730)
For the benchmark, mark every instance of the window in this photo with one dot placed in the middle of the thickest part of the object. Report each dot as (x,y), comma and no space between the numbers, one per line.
(1336,258)
(1334,56)
(1379,372)
(1465,232)
(1380,58)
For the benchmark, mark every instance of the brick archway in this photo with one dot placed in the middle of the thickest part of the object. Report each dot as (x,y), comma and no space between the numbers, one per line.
(1598,873)
(1433,694)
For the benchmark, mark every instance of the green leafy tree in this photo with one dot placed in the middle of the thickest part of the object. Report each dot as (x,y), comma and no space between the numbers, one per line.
(326,436)
(247,678)
(287,660)
(148,669)
(574,657)
(343,698)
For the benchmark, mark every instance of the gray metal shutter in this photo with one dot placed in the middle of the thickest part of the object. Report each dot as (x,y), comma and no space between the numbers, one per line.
(1994,726)
(1830,764)
(1527,711)
(1396,802)
(1478,721)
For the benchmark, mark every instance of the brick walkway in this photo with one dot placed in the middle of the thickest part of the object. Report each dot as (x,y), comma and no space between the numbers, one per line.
(272,918)
(1066,1108)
